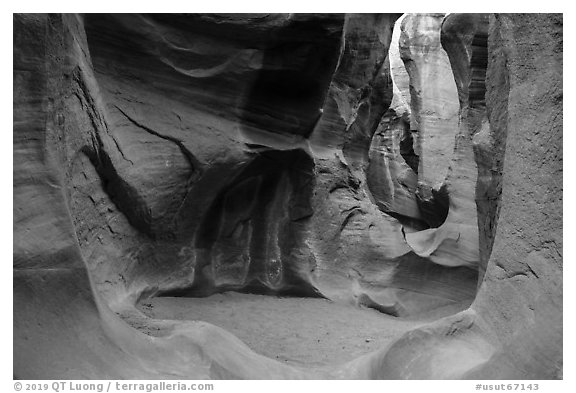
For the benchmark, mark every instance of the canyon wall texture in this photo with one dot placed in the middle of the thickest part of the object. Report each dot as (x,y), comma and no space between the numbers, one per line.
(513,330)
(402,163)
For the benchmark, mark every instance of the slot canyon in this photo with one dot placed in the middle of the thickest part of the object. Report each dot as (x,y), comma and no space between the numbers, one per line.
(287,196)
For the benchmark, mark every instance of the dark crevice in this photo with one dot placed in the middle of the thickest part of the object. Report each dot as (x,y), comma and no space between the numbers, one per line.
(194,164)
(407,148)
(248,234)
(348,217)
(433,204)
(488,87)
(410,222)
(126,199)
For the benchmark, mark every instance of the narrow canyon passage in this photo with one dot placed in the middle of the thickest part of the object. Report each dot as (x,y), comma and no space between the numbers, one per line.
(288,196)
(253,237)
(308,259)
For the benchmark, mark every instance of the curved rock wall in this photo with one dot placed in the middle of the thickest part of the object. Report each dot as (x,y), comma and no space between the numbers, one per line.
(456,241)
(392,172)
(205,194)
(525,266)
(513,330)
(365,189)
(200,109)
(318,155)
(438,214)
(62,328)
(434,99)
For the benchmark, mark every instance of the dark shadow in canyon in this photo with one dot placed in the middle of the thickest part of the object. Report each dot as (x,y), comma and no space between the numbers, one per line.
(249,238)
(290,87)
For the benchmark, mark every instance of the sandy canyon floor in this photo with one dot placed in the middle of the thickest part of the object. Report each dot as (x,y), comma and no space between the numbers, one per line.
(298,331)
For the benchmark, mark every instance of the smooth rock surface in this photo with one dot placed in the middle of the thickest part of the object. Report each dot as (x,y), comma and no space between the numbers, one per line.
(434,99)
(281,154)
(513,330)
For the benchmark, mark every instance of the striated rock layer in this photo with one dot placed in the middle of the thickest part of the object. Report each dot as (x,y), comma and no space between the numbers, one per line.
(434,99)
(513,330)
(422,169)
(348,157)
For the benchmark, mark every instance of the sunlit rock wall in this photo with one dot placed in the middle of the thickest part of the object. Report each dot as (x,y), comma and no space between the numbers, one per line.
(513,330)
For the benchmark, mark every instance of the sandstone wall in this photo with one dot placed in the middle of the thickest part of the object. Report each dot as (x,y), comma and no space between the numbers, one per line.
(315,155)
(513,330)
